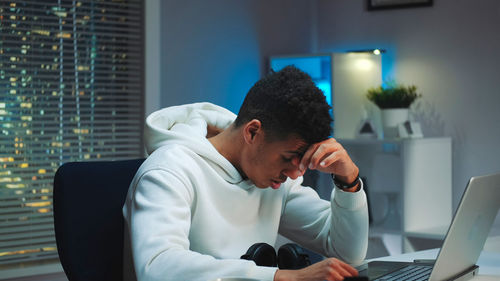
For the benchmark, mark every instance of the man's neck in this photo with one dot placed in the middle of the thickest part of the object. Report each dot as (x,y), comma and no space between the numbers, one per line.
(229,143)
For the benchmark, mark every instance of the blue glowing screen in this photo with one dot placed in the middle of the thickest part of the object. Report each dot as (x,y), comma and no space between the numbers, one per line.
(318,67)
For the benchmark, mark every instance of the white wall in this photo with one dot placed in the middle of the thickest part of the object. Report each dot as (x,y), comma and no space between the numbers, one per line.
(451,52)
(216,50)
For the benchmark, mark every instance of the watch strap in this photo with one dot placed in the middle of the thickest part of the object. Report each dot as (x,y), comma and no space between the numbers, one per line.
(343,185)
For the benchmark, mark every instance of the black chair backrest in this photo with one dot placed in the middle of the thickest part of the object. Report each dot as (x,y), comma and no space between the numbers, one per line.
(88,220)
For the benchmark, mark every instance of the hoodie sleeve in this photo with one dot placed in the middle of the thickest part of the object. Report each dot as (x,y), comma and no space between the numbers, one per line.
(158,216)
(338,228)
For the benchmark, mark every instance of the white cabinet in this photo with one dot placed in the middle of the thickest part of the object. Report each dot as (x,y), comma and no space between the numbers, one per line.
(409,187)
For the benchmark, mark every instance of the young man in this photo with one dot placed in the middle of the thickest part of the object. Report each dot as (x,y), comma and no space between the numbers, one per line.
(214,184)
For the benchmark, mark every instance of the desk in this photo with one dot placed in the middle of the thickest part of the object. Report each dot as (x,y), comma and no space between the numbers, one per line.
(489,262)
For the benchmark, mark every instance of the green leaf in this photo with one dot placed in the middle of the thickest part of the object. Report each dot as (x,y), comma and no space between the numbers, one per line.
(393,95)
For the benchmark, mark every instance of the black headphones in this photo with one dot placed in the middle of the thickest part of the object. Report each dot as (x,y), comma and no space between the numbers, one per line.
(290,256)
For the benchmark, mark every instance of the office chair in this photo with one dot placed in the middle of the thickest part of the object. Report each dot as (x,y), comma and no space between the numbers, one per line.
(88,220)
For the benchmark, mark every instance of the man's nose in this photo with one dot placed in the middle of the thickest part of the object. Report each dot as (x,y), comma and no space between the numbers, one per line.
(293,171)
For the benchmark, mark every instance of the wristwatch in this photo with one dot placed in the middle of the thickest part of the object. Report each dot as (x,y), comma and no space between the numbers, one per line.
(343,185)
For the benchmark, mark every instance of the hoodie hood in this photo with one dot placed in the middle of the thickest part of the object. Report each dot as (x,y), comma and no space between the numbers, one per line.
(186,125)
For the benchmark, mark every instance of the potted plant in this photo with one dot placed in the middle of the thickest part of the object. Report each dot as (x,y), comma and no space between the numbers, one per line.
(394,101)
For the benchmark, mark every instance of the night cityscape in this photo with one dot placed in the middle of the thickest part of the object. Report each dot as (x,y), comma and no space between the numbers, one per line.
(71,89)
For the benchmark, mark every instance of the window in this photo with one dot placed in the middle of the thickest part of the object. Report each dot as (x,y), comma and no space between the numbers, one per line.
(71,89)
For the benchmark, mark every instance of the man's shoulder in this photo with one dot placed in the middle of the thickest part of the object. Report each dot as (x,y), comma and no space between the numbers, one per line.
(173,149)
(172,157)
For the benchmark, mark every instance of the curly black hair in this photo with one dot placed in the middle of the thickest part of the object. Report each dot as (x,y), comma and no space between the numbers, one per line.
(287,103)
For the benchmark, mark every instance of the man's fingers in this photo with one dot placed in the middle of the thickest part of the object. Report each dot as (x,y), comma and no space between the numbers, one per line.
(330,269)
(330,159)
(336,276)
(350,269)
(306,158)
(317,155)
(344,272)
(339,270)
(323,151)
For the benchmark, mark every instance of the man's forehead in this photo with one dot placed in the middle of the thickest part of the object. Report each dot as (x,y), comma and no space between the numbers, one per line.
(296,146)
(292,144)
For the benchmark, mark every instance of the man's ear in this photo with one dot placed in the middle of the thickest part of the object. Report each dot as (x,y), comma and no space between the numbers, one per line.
(251,130)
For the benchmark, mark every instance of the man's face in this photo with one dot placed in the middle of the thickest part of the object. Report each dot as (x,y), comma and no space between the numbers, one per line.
(270,163)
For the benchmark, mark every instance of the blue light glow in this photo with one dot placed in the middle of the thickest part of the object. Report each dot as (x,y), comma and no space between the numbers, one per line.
(318,67)
(326,87)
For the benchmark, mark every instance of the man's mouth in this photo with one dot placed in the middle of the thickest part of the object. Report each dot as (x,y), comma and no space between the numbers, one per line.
(276,184)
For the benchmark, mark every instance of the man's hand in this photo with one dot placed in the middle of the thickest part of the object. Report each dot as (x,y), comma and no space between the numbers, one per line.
(330,269)
(329,156)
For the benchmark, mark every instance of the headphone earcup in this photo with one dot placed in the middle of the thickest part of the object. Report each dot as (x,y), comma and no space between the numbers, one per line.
(262,254)
(292,256)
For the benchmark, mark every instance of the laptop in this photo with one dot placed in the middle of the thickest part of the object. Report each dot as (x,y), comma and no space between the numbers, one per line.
(462,245)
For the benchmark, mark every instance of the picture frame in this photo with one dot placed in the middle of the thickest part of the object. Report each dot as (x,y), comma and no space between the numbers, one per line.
(396,4)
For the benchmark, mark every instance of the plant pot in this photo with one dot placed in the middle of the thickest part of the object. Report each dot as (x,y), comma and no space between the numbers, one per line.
(391,118)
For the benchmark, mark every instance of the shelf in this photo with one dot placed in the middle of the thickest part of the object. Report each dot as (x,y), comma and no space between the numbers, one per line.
(408,182)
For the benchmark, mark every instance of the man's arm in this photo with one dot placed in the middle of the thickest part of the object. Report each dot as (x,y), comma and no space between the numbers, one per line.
(329,156)
(340,228)
(158,217)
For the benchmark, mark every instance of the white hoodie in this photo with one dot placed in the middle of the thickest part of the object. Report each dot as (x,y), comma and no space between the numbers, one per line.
(190,215)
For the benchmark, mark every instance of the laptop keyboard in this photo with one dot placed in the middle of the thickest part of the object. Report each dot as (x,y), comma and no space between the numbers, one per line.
(410,272)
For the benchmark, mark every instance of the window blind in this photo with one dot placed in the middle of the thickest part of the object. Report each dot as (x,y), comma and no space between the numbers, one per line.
(71,89)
